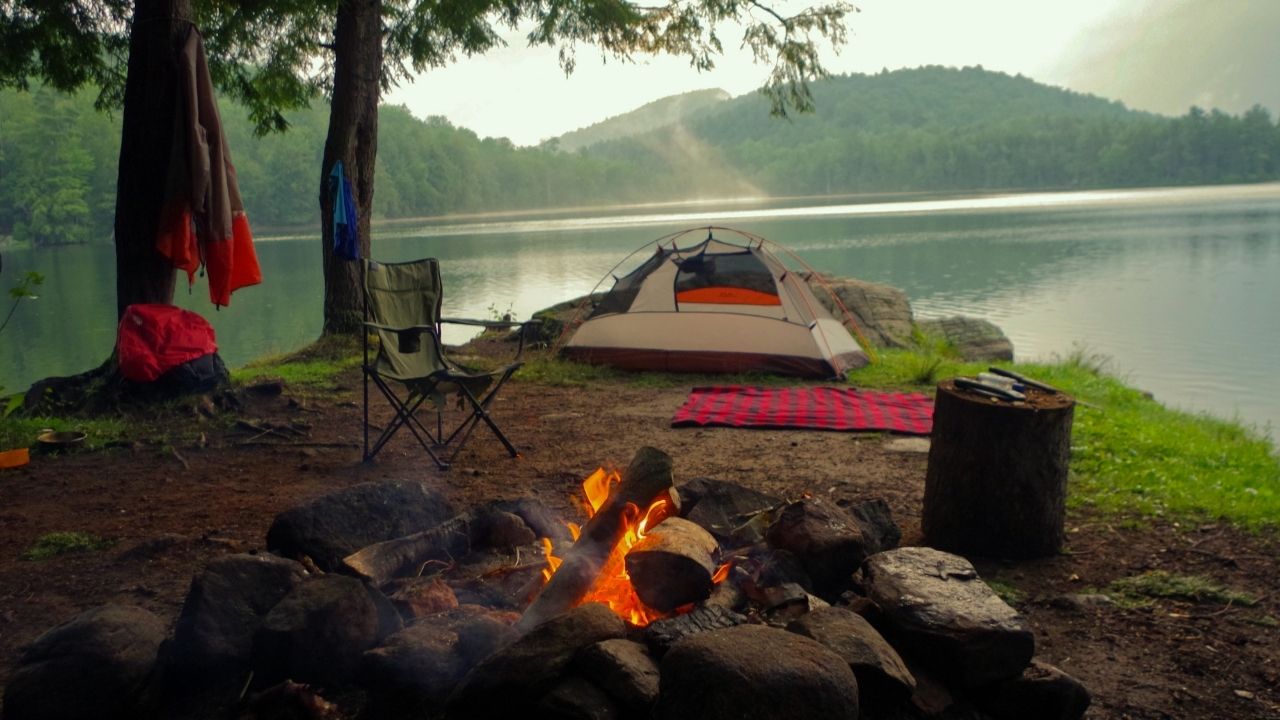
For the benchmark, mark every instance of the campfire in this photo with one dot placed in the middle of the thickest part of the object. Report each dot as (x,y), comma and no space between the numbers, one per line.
(506,606)
(635,554)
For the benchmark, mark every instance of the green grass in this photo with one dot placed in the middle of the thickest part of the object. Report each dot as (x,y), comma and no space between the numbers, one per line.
(1131,455)
(62,543)
(1006,592)
(1139,590)
(315,367)
(16,432)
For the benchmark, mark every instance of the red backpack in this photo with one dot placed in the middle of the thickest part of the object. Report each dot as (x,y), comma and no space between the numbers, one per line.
(154,339)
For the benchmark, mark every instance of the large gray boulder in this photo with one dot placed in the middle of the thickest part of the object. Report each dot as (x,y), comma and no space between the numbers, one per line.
(317,633)
(94,666)
(974,339)
(519,674)
(940,610)
(224,607)
(882,312)
(753,672)
(880,670)
(332,527)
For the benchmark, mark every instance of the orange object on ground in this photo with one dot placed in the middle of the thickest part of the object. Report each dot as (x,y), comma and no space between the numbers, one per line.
(15,458)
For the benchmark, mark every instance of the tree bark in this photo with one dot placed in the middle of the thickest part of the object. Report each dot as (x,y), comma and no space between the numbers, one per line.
(996,484)
(146,142)
(353,139)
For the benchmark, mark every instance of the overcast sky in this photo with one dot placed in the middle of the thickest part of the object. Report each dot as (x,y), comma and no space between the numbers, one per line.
(520,92)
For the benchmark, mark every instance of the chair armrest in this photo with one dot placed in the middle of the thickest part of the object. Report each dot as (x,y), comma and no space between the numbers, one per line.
(379,326)
(482,323)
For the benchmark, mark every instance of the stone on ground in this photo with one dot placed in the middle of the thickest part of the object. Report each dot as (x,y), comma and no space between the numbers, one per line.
(623,669)
(577,699)
(94,666)
(224,607)
(332,527)
(828,541)
(317,633)
(880,670)
(753,672)
(522,672)
(940,610)
(1042,691)
(882,312)
(974,338)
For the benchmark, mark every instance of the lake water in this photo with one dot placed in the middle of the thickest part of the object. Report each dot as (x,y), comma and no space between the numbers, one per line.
(1179,287)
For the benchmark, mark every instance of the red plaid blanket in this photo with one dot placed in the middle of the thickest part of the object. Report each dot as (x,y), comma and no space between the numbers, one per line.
(806,408)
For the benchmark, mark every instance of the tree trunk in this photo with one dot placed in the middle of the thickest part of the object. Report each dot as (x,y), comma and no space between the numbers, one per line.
(353,139)
(146,142)
(996,484)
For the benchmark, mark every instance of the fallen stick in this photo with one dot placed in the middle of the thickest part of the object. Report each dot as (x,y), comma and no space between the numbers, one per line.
(645,480)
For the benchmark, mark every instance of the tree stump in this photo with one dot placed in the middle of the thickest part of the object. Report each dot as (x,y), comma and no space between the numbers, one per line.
(997,479)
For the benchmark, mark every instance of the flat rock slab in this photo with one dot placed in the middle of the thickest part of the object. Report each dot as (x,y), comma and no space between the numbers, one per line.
(93,666)
(332,527)
(522,672)
(723,508)
(878,667)
(224,607)
(941,610)
(753,672)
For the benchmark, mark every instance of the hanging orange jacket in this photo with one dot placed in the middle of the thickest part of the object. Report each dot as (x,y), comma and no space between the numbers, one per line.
(202,220)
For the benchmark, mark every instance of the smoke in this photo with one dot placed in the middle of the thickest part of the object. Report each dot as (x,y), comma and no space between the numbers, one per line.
(1166,55)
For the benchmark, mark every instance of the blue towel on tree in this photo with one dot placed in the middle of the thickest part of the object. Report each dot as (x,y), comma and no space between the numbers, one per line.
(346,243)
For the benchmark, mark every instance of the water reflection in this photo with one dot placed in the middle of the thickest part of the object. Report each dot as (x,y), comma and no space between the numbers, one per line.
(1176,285)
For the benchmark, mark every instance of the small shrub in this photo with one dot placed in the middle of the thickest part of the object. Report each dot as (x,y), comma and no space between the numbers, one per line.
(62,543)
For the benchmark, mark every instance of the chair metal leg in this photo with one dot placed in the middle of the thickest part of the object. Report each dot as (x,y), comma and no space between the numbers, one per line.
(404,417)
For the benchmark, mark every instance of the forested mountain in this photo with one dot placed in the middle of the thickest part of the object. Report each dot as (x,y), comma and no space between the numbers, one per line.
(925,129)
(644,119)
(938,128)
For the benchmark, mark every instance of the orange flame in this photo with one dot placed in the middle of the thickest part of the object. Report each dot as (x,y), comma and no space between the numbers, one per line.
(613,586)
(722,572)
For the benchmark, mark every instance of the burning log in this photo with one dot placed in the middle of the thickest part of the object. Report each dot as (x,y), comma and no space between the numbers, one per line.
(648,477)
(673,564)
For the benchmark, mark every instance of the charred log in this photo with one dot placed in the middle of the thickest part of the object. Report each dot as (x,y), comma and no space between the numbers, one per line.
(673,565)
(647,478)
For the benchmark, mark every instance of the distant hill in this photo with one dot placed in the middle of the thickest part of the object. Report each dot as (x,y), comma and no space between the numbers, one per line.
(646,118)
(926,129)
(936,128)
(1167,56)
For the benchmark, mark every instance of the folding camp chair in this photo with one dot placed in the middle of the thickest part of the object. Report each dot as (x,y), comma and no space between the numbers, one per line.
(402,307)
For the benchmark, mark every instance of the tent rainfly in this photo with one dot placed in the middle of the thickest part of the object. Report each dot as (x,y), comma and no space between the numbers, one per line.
(717,306)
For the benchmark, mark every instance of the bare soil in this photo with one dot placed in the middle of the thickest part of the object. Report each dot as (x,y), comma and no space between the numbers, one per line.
(168,510)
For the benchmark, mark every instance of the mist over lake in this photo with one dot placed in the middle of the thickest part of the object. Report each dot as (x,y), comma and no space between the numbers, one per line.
(1177,287)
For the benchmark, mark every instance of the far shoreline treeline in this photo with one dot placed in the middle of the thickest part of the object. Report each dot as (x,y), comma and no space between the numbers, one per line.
(925,130)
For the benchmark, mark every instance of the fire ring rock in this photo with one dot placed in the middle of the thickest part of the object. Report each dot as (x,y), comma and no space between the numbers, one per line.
(95,665)
(753,672)
(941,610)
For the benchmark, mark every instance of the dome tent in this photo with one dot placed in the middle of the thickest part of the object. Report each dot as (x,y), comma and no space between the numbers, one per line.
(715,306)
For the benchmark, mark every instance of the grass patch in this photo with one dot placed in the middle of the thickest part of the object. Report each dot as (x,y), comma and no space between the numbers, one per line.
(62,543)
(1130,455)
(16,432)
(1158,584)
(1006,592)
(314,367)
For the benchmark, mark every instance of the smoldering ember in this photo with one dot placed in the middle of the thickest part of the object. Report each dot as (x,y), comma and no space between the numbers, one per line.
(697,599)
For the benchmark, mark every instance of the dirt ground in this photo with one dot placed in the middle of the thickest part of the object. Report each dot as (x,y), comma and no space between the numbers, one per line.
(168,510)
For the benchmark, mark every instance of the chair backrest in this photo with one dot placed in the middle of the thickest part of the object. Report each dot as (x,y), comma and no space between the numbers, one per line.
(404,295)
